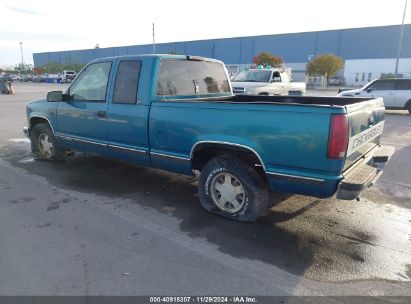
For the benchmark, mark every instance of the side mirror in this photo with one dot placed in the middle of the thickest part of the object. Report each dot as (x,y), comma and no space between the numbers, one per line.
(369,90)
(55,96)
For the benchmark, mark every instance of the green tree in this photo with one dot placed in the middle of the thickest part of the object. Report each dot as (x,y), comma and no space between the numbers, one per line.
(56,68)
(8,69)
(38,71)
(325,65)
(52,68)
(23,68)
(266,58)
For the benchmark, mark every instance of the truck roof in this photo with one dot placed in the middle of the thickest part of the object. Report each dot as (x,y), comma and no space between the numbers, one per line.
(160,56)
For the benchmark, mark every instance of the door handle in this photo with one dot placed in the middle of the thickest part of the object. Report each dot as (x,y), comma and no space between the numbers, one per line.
(101,114)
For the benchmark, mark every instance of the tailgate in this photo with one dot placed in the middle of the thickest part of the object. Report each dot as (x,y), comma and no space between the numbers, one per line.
(366,123)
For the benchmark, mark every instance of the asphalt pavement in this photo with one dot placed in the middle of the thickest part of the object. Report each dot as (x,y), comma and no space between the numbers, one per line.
(91,226)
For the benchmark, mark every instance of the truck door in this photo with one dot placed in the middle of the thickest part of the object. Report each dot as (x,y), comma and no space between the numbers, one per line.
(81,119)
(127,117)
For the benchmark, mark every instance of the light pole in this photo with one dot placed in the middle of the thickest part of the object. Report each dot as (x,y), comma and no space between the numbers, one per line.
(154,40)
(21,50)
(307,77)
(400,42)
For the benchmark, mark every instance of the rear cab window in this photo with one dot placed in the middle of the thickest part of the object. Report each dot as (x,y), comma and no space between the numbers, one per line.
(181,78)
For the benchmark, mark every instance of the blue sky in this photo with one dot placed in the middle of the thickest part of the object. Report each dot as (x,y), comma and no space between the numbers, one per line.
(49,25)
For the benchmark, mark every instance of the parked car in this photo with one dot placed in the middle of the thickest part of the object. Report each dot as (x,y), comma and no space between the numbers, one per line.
(336,81)
(67,76)
(7,77)
(396,92)
(178,113)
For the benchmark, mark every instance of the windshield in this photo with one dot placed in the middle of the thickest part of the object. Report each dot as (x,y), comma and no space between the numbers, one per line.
(253,76)
(368,85)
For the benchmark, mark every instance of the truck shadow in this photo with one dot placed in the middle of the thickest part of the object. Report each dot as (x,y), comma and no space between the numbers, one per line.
(396,180)
(282,238)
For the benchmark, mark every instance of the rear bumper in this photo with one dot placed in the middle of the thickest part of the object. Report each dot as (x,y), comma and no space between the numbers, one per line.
(364,174)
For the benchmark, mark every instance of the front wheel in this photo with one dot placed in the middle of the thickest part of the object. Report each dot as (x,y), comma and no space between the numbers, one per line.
(44,144)
(231,188)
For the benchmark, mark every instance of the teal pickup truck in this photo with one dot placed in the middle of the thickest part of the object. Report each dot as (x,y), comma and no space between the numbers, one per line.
(178,113)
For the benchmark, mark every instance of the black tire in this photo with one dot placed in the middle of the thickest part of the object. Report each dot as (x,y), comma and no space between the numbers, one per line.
(409,106)
(42,132)
(255,192)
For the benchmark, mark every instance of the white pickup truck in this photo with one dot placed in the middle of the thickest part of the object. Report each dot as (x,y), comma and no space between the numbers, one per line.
(262,81)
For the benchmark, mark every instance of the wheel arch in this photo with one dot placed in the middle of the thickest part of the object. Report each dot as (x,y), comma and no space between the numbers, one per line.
(203,151)
(35,120)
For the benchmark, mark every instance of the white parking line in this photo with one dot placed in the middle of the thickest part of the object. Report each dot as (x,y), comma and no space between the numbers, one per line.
(20,140)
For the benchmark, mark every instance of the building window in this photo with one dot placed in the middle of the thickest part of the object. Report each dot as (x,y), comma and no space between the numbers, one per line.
(357,75)
(369,77)
(363,77)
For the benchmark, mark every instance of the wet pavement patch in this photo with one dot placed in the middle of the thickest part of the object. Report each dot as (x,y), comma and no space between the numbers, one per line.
(53,206)
(22,200)
(44,225)
(324,240)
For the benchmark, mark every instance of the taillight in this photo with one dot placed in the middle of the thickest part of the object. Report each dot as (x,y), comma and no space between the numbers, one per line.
(338,136)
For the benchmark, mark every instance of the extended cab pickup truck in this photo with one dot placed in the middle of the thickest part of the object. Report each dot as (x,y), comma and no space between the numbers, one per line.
(178,113)
(262,81)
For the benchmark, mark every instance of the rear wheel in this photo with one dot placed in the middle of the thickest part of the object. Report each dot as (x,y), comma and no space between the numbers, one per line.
(409,106)
(44,144)
(231,188)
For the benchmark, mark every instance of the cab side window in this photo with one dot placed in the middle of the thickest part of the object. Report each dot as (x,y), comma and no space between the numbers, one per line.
(276,77)
(382,85)
(128,74)
(91,84)
(403,84)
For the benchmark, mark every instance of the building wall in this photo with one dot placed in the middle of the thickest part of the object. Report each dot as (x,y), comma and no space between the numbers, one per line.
(361,71)
(351,44)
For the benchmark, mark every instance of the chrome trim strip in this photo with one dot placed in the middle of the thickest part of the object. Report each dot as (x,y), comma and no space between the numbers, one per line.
(164,99)
(69,138)
(296,176)
(170,156)
(226,143)
(127,149)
